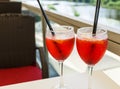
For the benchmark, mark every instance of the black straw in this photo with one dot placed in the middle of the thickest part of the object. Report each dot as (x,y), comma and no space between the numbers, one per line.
(46,19)
(96,16)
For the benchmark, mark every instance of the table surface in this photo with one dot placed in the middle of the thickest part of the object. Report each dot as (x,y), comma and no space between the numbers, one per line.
(74,81)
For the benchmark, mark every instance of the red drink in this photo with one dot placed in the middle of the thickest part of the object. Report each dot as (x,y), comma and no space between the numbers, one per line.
(91,47)
(60,46)
(60,49)
(91,50)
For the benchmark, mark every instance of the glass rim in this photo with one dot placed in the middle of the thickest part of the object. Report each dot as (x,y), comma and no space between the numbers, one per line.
(99,31)
(57,26)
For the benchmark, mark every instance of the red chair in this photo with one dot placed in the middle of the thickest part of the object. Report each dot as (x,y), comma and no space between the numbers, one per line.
(18,51)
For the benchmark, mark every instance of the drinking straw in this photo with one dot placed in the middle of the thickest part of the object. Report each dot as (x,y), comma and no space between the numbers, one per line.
(96,16)
(46,18)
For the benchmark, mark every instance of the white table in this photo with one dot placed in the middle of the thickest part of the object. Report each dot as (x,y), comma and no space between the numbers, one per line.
(74,81)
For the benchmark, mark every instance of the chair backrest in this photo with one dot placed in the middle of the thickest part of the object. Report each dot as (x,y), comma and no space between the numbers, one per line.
(10,7)
(4,0)
(17,40)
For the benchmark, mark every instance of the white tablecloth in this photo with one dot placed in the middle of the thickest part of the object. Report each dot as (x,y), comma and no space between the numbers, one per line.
(74,81)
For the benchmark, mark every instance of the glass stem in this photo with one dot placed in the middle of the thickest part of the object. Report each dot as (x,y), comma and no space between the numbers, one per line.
(90,71)
(61,74)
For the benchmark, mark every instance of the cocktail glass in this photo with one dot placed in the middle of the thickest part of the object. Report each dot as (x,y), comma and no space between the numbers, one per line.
(91,47)
(60,46)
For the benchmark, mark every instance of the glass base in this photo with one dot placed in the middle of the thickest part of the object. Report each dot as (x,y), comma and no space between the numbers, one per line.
(60,87)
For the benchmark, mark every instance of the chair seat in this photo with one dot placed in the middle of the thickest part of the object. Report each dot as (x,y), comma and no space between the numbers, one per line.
(19,74)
